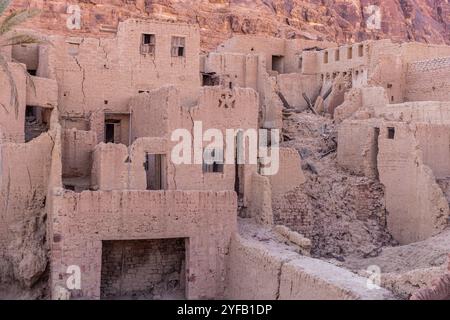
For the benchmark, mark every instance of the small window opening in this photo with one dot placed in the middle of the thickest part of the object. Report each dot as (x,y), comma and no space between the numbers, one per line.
(117,128)
(213,166)
(350,53)
(278,64)
(37,121)
(361,50)
(178,46)
(210,79)
(325,57)
(148,43)
(337,55)
(391,133)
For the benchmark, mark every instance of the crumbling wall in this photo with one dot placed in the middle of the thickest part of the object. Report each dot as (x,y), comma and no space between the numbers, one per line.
(24,176)
(361,103)
(358,147)
(294,85)
(342,213)
(239,69)
(82,220)
(260,203)
(352,103)
(259,272)
(416,205)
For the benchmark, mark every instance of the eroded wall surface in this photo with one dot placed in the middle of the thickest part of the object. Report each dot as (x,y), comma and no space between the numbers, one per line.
(416,205)
(25,169)
(256,271)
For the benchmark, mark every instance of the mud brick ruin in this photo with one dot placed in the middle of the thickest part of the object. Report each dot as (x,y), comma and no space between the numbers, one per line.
(87,178)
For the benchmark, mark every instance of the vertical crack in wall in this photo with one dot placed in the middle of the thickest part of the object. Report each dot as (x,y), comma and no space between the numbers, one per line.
(283,262)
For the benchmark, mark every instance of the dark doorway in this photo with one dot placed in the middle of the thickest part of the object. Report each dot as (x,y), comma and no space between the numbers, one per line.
(278,64)
(110,132)
(144,269)
(154,168)
(210,79)
(117,128)
(37,121)
(376,149)
(239,165)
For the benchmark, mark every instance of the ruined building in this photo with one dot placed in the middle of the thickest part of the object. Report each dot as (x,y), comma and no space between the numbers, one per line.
(88,180)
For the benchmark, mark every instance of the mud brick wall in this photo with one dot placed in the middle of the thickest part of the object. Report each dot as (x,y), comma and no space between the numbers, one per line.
(82,221)
(146,268)
(428,80)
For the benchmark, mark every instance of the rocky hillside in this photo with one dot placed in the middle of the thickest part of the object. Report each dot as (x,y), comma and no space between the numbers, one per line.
(338,20)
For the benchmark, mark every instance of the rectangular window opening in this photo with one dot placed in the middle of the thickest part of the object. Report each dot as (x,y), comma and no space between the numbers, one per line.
(325,57)
(350,53)
(361,50)
(148,43)
(178,47)
(278,64)
(337,55)
(214,166)
(391,133)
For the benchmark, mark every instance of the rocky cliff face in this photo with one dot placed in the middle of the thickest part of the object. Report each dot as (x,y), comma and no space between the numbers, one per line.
(337,20)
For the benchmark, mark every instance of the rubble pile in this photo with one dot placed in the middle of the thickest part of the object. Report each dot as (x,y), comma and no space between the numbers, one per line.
(341,213)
